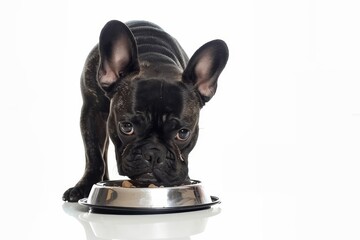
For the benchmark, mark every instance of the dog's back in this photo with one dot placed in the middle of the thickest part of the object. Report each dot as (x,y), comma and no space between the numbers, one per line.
(155,44)
(155,47)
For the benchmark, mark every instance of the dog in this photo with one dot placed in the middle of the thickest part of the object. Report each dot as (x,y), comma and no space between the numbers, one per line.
(140,89)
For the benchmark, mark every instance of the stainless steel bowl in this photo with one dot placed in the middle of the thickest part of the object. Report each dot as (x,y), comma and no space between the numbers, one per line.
(110,195)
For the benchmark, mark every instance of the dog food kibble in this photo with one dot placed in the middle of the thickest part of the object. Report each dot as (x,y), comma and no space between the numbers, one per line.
(133,184)
(127,184)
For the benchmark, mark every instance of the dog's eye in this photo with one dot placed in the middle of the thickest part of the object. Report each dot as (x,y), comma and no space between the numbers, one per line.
(183,134)
(126,128)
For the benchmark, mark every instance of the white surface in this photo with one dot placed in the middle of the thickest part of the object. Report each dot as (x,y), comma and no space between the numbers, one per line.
(279,143)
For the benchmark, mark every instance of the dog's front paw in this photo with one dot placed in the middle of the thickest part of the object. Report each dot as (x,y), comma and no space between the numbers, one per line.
(76,193)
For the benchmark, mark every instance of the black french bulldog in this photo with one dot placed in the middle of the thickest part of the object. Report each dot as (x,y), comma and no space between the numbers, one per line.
(140,88)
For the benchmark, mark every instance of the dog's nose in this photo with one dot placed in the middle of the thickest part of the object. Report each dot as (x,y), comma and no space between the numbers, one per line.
(152,156)
(151,153)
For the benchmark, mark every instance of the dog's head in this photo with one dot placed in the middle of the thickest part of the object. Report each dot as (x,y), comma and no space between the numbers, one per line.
(154,110)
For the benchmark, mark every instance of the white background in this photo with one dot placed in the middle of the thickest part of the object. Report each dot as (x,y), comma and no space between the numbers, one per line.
(279,143)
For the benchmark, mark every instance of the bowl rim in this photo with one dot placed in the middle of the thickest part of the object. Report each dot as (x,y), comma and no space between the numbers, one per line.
(103,184)
(146,210)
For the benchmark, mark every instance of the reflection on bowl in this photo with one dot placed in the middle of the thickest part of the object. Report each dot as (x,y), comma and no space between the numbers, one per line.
(159,226)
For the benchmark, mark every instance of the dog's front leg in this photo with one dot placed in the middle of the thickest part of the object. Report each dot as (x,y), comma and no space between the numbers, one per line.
(93,130)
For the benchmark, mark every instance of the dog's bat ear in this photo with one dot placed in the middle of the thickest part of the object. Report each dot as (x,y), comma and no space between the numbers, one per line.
(118,53)
(205,66)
